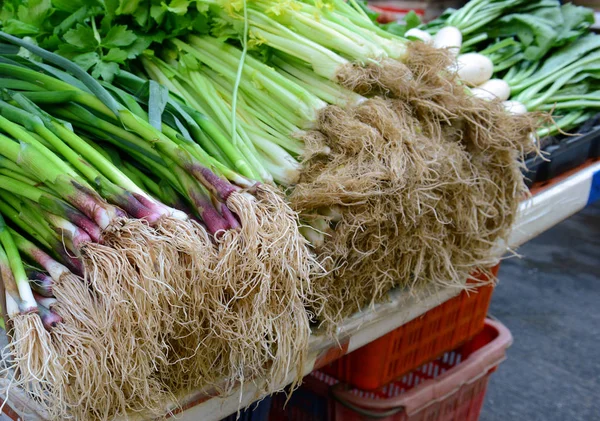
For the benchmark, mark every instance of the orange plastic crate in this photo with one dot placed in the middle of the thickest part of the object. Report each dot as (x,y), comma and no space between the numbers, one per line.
(419,341)
(449,388)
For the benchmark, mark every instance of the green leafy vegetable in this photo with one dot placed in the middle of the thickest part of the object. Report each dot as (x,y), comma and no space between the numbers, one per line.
(542,49)
(99,35)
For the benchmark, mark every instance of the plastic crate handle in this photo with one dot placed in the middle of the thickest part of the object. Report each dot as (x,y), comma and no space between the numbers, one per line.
(337,393)
(474,367)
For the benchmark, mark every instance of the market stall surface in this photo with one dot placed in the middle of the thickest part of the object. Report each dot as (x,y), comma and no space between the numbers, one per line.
(550,300)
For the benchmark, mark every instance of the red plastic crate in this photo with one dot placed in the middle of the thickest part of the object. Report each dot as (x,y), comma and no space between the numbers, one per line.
(451,388)
(417,342)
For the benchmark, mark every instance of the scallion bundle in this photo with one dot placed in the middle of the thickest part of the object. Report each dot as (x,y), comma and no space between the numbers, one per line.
(250,258)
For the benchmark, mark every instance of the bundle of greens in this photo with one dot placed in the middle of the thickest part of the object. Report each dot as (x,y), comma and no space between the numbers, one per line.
(234,283)
(278,81)
(543,52)
(401,177)
(72,201)
(375,163)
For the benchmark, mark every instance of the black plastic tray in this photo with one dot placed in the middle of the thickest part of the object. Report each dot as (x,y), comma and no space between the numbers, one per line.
(564,153)
(595,148)
(570,153)
(536,170)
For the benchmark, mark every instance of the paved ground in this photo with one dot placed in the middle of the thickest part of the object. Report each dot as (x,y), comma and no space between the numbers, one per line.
(550,300)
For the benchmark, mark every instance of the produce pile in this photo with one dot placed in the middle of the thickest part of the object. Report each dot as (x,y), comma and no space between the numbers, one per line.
(542,53)
(188,186)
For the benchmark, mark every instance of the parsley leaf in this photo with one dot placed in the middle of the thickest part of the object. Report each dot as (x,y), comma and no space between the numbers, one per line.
(140,44)
(106,71)
(35,12)
(81,37)
(118,36)
(178,7)
(86,60)
(141,16)
(116,55)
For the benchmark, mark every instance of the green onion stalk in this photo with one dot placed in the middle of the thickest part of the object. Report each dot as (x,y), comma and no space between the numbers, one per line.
(41,283)
(254,231)
(64,238)
(87,342)
(47,272)
(50,319)
(336,40)
(33,357)
(12,257)
(132,260)
(277,108)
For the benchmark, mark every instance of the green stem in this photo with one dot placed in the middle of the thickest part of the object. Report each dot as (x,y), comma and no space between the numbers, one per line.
(20,189)
(18,176)
(325,89)
(23,135)
(7,278)
(73,148)
(36,227)
(472,41)
(264,106)
(570,105)
(28,303)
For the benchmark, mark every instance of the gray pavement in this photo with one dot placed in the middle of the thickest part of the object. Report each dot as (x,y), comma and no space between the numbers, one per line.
(550,300)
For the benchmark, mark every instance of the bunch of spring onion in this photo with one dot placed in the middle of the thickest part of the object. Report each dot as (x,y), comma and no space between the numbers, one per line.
(122,311)
(29,315)
(276,78)
(281,97)
(542,54)
(245,268)
(288,79)
(339,38)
